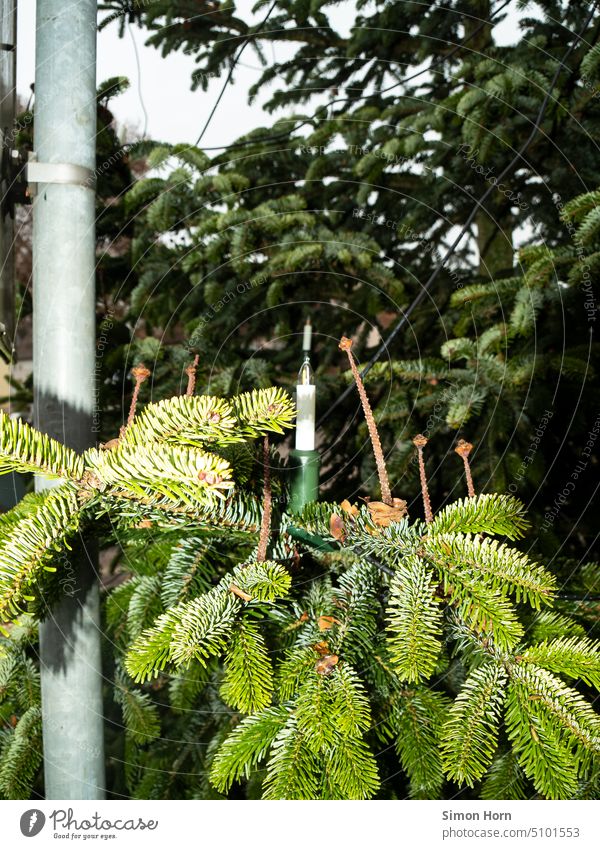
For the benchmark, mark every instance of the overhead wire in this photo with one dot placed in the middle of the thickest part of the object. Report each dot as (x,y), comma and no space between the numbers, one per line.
(232,69)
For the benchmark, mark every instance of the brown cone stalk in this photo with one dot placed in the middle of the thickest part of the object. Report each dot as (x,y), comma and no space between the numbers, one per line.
(265,527)
(420,442)
(140,374)
(386,494)
(191,373)
(463,449)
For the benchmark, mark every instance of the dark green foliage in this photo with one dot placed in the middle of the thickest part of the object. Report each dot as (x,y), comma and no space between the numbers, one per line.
(417,721)
(504,779)
(361,197)
(20,714)
(413,660)
(21,755)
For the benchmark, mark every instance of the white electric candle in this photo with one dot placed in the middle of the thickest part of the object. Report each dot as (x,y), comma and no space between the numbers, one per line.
(306,393)
(305,417)
(306,338)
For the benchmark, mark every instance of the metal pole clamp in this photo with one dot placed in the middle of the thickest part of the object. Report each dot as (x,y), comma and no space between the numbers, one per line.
(58,172)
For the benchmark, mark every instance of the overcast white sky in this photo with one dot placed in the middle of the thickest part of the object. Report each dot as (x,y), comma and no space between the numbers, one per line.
(162,89)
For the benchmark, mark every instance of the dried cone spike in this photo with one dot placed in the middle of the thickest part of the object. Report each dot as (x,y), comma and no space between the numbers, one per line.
(265,527)
(386,495)
(191,373)
(463,449)
(140,374)
(420,442)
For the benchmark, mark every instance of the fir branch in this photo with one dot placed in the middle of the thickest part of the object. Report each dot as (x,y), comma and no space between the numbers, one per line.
(553,730)
(546,698)
(351,770)
(349,702)
(186,420)
(185,687)
(192,565)
(482,608)
(181,474)
(203,627)
(151,652)
(549,625)
(140,714)
(19,679)
(314,713)
(292,770)
(31,545)
(488,513)
(195,630)
(248,680)
(264,581)
(415,620)
(470,734)
(358,608)
(263,411)
(575,657)
(239,513)
(24,449)
(144,604)
(293,671)
(494,563)
(246,746)
(504,779)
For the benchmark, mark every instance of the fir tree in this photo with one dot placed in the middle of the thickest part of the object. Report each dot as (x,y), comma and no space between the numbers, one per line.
(360,199)
(435,636)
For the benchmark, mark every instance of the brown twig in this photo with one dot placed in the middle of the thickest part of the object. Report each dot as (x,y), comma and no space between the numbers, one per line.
(420,442)
(265,527)
(239,593)
(140,373)
(463,449)
(191,373)
(386,494)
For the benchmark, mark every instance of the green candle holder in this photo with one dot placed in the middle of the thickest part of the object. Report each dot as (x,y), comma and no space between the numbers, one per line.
(304,468)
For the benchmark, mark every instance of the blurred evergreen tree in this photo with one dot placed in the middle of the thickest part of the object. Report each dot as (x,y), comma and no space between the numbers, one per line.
(343,207)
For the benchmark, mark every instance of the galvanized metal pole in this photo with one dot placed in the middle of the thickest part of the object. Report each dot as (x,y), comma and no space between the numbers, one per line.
(8,53)
(63,363)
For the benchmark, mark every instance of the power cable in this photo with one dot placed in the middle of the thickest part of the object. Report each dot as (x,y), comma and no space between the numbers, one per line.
(232,69)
